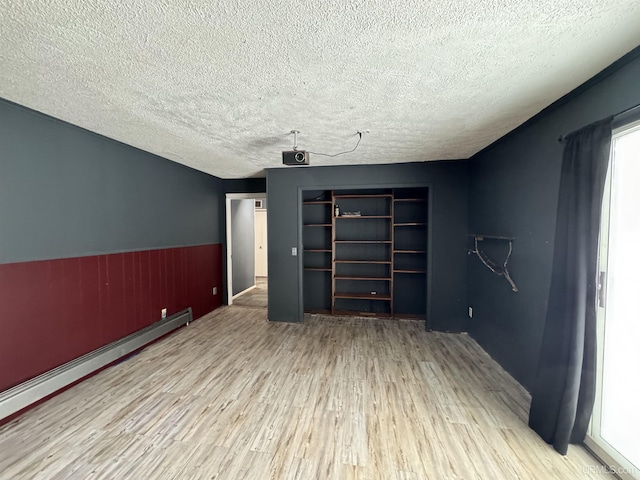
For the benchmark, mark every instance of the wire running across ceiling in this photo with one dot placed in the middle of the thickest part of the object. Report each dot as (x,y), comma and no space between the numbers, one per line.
(215,85)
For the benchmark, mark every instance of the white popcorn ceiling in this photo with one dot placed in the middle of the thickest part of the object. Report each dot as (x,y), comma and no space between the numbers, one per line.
(218,85)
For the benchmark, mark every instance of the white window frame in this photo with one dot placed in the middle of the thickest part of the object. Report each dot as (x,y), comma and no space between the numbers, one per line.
(616,463)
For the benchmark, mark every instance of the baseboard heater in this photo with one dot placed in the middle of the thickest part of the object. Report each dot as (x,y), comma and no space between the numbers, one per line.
(21,396)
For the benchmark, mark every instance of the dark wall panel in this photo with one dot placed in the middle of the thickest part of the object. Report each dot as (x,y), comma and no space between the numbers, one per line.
(514,192)
(245,185)
(448,185)
(66,192)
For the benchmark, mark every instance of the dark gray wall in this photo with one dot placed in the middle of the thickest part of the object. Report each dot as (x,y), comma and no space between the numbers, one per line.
(514,192)
(242,245)
(448,186)
(67,192)
(245,185)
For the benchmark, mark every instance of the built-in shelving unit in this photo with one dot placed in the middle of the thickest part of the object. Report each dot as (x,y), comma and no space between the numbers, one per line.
(371,258)
(317,226)
(410,250)
(362,259)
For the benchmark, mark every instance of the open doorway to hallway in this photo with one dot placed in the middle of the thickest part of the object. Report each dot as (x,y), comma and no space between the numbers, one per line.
(247,249)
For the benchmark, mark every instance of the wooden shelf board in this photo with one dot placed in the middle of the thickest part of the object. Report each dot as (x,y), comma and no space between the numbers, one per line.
(408,316)
(365,195)
(318,312)
(353,313)
(409,224)
(317,202)
(362,241)
(317,224)
(352,217)
(395,316)
(313,269)
(377,262)
(317,250)
(362,296)
(352,277)
(409,271)
(409,251)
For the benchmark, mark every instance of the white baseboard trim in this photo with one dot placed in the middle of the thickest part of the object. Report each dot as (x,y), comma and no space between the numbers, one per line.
(243,292)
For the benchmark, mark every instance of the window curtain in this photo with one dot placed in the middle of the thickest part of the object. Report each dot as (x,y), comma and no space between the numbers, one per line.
(564,390)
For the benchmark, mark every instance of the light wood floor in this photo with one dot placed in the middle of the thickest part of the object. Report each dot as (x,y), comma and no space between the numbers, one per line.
(233,396)
(256,297)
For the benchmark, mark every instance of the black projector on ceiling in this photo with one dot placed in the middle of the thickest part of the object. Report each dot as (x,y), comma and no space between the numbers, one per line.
(295,157)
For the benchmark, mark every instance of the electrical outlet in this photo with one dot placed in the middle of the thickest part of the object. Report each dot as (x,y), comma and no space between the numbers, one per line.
(215,290)
(163,313)
(294,251)
(470,312)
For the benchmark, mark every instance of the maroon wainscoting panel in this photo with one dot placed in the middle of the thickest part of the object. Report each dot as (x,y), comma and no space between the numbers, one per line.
(53,311)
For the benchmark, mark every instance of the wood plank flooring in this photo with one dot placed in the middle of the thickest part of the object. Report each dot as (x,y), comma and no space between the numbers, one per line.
(256,297)
(233,396)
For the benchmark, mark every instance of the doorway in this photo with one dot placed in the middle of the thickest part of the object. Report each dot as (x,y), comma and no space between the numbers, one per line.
(246,227)
(615,426)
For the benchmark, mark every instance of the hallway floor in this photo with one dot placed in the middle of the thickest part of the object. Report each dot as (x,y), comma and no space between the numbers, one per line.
(256,297)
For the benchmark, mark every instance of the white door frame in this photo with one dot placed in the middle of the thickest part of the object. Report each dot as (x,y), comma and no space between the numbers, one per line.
(615,462)
(229,197)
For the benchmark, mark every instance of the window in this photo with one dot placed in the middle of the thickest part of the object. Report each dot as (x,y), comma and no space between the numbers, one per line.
(615,426)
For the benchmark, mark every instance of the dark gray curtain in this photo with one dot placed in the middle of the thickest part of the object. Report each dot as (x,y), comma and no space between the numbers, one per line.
(564,391)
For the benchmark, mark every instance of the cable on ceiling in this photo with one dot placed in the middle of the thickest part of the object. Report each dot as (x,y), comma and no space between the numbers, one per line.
(341,153)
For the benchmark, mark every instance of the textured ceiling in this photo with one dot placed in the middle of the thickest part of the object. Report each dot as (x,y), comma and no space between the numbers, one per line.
(219,85)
